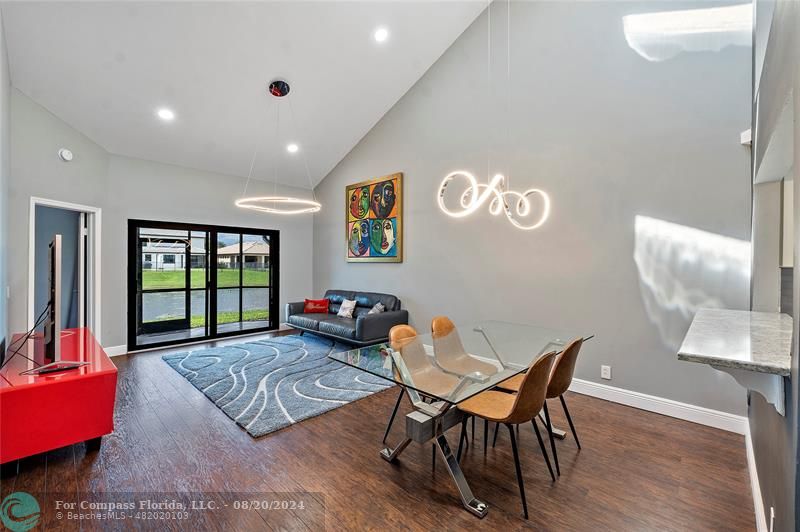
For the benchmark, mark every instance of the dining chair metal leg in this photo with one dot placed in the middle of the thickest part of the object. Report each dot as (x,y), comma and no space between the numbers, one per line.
(569,420)
(541,446)
(394,413)
(494,440)
(520,482)
(485,435)
(433,455)
(473,428)
(549,426)
(461,438)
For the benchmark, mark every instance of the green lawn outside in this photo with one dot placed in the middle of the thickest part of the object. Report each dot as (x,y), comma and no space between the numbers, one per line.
(222,317)
(152,279)
(232,317)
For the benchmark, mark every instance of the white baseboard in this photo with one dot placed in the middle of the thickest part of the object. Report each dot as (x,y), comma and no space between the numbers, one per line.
(660,405)
(116,350)
(758,502)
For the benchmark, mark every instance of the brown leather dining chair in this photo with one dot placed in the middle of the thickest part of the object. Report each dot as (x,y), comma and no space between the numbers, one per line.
(515,409)
(560,380)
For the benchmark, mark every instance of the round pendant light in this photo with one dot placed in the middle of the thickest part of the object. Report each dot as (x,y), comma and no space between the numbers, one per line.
(275,203)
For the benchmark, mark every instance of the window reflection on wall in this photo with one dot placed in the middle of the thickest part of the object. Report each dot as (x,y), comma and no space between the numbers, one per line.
(682,269)
(663,35)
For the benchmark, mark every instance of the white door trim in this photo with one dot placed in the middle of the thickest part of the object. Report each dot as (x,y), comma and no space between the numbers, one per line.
(93,315)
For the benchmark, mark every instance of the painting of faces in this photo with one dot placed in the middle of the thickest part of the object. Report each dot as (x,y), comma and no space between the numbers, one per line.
(374,220)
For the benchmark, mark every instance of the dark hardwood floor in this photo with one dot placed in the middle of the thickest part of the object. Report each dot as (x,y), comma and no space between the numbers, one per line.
(637,470)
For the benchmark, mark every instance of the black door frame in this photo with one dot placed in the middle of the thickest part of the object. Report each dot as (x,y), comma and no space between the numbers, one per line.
(134,267)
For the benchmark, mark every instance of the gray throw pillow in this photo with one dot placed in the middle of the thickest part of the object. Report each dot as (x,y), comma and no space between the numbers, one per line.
(347,308)
(377,309)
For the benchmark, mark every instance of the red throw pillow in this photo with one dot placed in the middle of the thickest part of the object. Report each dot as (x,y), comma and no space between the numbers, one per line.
(316,306)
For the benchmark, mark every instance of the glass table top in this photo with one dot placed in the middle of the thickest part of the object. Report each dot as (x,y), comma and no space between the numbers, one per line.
(460,362)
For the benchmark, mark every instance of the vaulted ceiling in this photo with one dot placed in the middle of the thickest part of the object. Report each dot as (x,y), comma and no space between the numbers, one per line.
(106,68)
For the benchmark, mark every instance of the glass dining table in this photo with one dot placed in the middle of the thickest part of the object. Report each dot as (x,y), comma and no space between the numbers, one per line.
(437,372)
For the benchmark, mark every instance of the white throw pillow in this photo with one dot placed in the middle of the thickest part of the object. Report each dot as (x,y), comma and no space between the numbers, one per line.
(347,308)
(377,309)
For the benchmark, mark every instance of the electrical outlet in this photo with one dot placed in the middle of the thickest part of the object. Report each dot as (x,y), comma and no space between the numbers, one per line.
(605,372)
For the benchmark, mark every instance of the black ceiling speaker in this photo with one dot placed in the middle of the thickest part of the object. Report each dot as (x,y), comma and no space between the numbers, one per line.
(279,88)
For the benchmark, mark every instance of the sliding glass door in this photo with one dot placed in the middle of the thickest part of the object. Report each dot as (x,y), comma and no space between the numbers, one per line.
(190,282)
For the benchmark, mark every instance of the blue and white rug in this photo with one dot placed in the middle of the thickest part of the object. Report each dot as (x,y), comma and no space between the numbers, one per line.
(273,383)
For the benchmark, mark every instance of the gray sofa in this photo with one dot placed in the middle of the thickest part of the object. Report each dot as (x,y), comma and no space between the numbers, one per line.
(361,329)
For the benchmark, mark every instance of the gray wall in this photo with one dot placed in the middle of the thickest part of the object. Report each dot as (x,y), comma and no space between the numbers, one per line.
(766,246)
(775,437)
(611,136)
(126,188)
(5,91)
(50,222)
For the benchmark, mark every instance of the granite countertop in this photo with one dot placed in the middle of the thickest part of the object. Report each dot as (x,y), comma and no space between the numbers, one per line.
(740,339)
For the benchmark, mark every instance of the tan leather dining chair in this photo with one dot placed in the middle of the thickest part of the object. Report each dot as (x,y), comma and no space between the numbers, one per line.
(450,353)
(451,356)
(560,379)
(424,375)
(515,409)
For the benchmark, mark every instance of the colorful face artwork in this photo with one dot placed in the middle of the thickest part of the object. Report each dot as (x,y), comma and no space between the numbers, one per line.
(382,236)
(359,202)
(359,238)
(374,220)
(383,199)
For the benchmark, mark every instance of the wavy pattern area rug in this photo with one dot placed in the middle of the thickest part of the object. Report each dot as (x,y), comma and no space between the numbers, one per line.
(270,384)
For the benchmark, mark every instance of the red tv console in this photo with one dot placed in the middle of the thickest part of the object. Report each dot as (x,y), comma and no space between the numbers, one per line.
(44,412)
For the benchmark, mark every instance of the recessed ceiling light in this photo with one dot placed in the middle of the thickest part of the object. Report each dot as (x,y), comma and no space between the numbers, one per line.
(166,114)
(292,148)
(381,34)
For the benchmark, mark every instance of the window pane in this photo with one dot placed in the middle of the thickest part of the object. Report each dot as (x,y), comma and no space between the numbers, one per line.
(199,255)
(228,260)
(256,260)
(163,306)
(227,306)
(198,317)
(163,258)
(255,307)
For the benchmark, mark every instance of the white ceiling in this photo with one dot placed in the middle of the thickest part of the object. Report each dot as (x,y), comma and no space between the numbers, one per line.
(105,68)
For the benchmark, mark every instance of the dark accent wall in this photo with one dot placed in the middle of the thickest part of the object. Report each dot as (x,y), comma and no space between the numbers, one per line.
(49,222)
(787,284)
(775,437)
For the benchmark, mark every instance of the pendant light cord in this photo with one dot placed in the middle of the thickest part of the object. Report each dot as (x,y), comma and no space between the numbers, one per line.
(259,130)
(508,93)
(488,89)
(302,152)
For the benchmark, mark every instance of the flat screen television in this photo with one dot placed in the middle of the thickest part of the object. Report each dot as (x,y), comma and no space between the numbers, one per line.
(52,325)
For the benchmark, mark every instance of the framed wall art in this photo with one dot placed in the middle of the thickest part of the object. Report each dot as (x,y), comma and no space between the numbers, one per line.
(374,220)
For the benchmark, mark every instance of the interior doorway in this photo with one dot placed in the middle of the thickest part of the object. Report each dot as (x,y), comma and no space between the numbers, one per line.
(79,227)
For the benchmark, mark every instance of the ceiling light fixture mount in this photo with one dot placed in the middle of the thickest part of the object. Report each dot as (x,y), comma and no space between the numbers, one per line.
(275,203)
(279,88)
